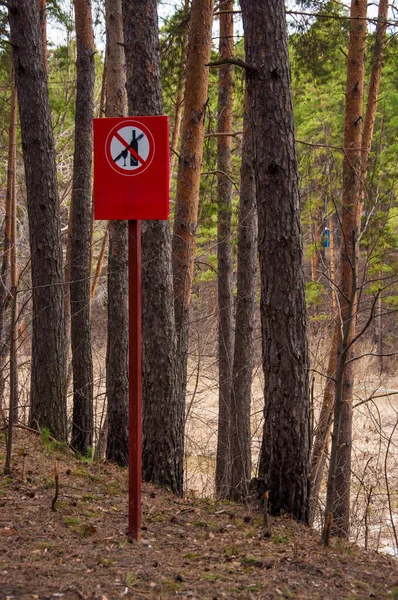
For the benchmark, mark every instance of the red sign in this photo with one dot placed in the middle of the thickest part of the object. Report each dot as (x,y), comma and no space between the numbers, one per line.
(131,168)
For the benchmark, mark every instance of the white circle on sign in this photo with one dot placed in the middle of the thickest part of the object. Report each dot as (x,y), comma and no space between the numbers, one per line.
(130,148)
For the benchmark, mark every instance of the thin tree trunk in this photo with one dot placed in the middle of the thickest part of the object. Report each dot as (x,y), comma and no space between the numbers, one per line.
(177,125)
(14,300)
(180,96)
(338,490)
(163,430)
(83,418)
(5,267)
(244,329)
(365,141)
(188,181)
(285,447)
(13,404)
(373,91)
(117,347)
(48,401)
(225,307)
(320,445)
(100,263)
(95,281)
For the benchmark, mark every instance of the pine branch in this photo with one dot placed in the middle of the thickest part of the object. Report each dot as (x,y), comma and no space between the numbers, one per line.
(231,61)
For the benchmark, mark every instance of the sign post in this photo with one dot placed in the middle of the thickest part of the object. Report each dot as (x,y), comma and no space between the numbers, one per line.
(135,380)
(131,182)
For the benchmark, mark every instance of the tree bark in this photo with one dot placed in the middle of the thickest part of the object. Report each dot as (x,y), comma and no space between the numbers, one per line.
(188,181)
(5,267)
(179,102)
(163,429)
(43,29)
(320,445)
(244,330)
(117,383)
(338,490)
(225,306)
(285,446)
(48,401)
(319,449)
(83,418)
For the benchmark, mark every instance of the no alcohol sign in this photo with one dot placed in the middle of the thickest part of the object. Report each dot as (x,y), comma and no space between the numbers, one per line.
(131,182)
(131,168)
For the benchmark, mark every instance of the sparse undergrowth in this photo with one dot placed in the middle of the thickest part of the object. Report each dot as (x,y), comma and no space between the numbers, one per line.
(189,549)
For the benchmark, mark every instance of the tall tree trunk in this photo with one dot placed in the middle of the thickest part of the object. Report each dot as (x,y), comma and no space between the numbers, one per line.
(48,401)
(14,301)
(83,419)
(163,429)
(320,445)
(43,29)
(338,489)
(188,181)
(13,403)
(285,446)
(5,267)
(365,141)
(225,307)
(180,95)
(373,92)
(244,330)
(117,384)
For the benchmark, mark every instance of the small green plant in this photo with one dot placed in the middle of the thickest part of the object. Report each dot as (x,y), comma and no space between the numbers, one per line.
(50,443)
(253,588)
(280,539)
(86,458)
(70,521)
(155,518)
(314,293)
(131,579)
(192,555)
(231,551)
(42,545)
(252,561)
(86,530)
(394,593)
(87,497)
(173,586)
(210,576)
(202,524)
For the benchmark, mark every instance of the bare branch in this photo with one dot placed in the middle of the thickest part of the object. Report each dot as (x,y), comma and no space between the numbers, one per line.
(230,61)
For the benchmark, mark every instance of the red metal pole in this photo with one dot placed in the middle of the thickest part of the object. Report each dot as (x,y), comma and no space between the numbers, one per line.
(135,426)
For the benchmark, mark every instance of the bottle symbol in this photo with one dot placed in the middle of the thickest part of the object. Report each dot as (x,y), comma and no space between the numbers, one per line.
(133,146)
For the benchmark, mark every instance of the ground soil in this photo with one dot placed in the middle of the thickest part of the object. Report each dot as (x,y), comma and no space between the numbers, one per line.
(190,548)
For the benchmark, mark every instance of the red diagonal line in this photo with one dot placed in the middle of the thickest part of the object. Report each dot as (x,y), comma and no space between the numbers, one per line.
(126,145)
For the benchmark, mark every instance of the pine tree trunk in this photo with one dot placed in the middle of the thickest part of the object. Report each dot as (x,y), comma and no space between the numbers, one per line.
(244,330)
(180,95)
(163,429)
(83,419)
(225,306)
(320,445)
(365,140)
(188,181)
(48,401)
(338,490)
(373,94)
(43,29)
(117,383)
(285,446)
(14,392)
(5,267)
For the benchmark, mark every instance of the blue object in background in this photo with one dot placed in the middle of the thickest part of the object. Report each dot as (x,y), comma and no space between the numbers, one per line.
(326,238)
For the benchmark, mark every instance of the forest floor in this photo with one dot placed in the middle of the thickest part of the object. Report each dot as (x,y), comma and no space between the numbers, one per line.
(190,548)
